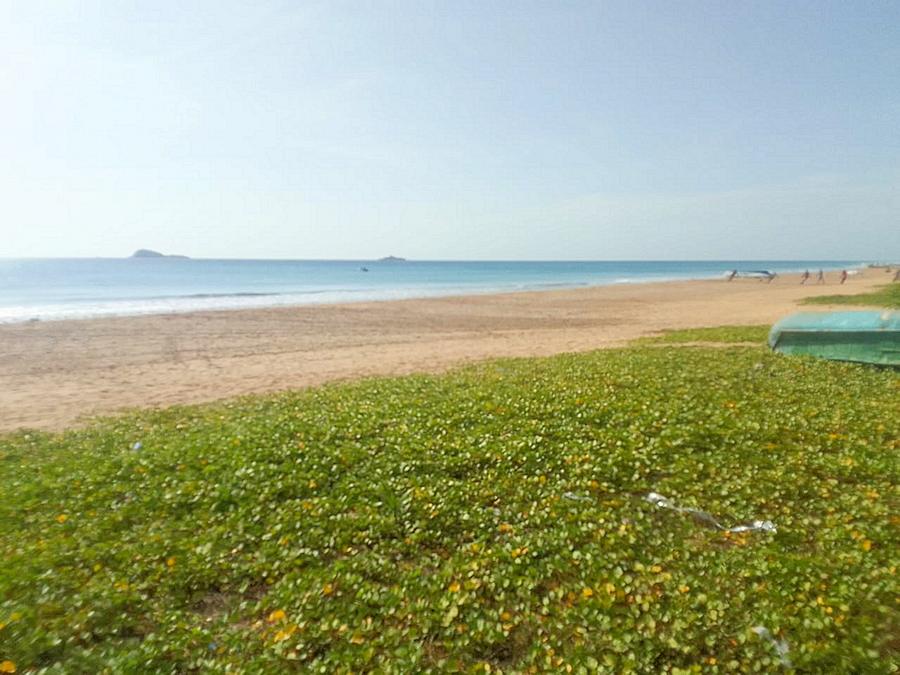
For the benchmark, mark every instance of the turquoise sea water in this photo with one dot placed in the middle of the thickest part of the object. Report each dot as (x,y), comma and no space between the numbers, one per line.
(52,289)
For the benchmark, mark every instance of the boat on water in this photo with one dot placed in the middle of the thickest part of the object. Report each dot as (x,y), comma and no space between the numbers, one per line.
(864,337)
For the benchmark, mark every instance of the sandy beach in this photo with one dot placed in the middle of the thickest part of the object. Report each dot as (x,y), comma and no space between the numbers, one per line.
(57,374)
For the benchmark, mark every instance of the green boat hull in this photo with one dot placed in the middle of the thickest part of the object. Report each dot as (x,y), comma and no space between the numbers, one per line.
(864,337)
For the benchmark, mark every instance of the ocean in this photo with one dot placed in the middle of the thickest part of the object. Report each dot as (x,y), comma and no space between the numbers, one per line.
(55,289)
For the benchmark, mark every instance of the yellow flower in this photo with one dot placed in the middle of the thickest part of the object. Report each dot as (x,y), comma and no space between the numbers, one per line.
(170,561)
(505,527)
(61,518)
(277,615)
(285,633)
(587,592)
(867,545)
(7,667)
(454,587)
(327,589)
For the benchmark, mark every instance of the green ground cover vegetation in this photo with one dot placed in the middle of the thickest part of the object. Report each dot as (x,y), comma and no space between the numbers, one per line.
(724,334)
(883,296)
(489,519)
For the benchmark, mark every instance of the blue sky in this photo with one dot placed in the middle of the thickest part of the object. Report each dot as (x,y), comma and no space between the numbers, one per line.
(460,130)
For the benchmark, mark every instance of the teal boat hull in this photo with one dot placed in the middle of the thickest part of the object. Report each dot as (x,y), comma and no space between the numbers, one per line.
(863,337)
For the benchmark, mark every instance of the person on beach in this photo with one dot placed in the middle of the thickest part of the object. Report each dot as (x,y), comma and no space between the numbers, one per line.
(732,275)
(843,276)
(820,277)
(804,278)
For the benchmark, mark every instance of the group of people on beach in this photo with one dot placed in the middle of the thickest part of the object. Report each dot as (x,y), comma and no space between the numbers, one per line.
(820,277)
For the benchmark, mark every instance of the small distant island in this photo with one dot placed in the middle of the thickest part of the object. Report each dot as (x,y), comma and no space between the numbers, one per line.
(147,253)
(391,258)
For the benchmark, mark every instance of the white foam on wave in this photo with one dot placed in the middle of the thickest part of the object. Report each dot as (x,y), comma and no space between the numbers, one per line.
(213,303)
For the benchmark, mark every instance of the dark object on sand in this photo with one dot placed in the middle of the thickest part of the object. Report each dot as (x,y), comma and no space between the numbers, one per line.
(754,274)
(864,337)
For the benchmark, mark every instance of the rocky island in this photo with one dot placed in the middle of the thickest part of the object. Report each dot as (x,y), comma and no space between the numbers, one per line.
(147,253)
(391,258)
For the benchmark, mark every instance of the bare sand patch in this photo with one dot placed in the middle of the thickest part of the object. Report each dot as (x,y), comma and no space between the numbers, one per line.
(53,374)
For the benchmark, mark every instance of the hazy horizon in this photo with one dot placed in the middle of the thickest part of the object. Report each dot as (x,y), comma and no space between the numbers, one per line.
(529,131)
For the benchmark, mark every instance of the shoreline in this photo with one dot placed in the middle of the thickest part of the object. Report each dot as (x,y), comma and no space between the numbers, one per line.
(55,374)
(161,305)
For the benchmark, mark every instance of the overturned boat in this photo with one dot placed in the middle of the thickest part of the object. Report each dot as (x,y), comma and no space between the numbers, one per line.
(864,337)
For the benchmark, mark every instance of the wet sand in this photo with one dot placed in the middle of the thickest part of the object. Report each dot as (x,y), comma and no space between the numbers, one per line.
(58,374)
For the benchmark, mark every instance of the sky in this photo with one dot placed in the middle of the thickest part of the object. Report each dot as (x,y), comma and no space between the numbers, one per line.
(451,130)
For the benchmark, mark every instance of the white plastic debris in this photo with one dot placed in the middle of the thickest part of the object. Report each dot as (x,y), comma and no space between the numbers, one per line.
(760,525)
(659,500)
(664,502)
(781,646)
(575,497)
(137,446)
